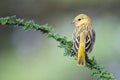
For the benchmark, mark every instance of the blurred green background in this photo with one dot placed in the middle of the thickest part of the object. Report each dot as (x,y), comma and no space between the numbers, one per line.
(32,56)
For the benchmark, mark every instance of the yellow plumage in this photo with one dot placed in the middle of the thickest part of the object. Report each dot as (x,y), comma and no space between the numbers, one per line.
(84,37)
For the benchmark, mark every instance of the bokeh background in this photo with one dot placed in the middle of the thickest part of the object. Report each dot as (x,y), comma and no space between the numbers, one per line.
(30,55)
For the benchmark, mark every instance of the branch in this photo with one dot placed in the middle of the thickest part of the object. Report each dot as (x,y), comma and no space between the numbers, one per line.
(98,71)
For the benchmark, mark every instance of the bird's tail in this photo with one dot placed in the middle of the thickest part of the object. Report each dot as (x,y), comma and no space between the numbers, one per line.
(81,56)
(81,51)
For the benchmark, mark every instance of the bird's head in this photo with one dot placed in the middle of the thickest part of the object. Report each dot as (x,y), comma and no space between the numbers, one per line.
(81,20)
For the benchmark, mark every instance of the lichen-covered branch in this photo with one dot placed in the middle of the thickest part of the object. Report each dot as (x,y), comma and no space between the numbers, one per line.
(98,71)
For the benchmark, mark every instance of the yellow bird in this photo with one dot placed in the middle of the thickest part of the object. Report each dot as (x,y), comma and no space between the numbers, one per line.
(84,37)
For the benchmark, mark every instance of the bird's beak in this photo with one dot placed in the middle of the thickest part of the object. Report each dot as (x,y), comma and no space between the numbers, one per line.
(73,22)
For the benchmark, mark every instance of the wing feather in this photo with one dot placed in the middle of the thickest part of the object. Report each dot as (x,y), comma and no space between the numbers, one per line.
(90,39)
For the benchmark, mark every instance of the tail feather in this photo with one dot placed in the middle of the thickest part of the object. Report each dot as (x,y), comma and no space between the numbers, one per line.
(81,52)
(81,58)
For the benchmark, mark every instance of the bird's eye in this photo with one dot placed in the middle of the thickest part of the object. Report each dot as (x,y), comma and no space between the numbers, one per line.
(79,19)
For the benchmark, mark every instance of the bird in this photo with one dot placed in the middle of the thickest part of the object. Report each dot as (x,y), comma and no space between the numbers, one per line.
(83,37)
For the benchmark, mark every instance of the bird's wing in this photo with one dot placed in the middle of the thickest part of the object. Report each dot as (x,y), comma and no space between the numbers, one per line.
(90,39)
(76,44)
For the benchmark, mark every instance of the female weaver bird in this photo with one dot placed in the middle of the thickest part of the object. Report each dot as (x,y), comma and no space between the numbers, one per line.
(84,37)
